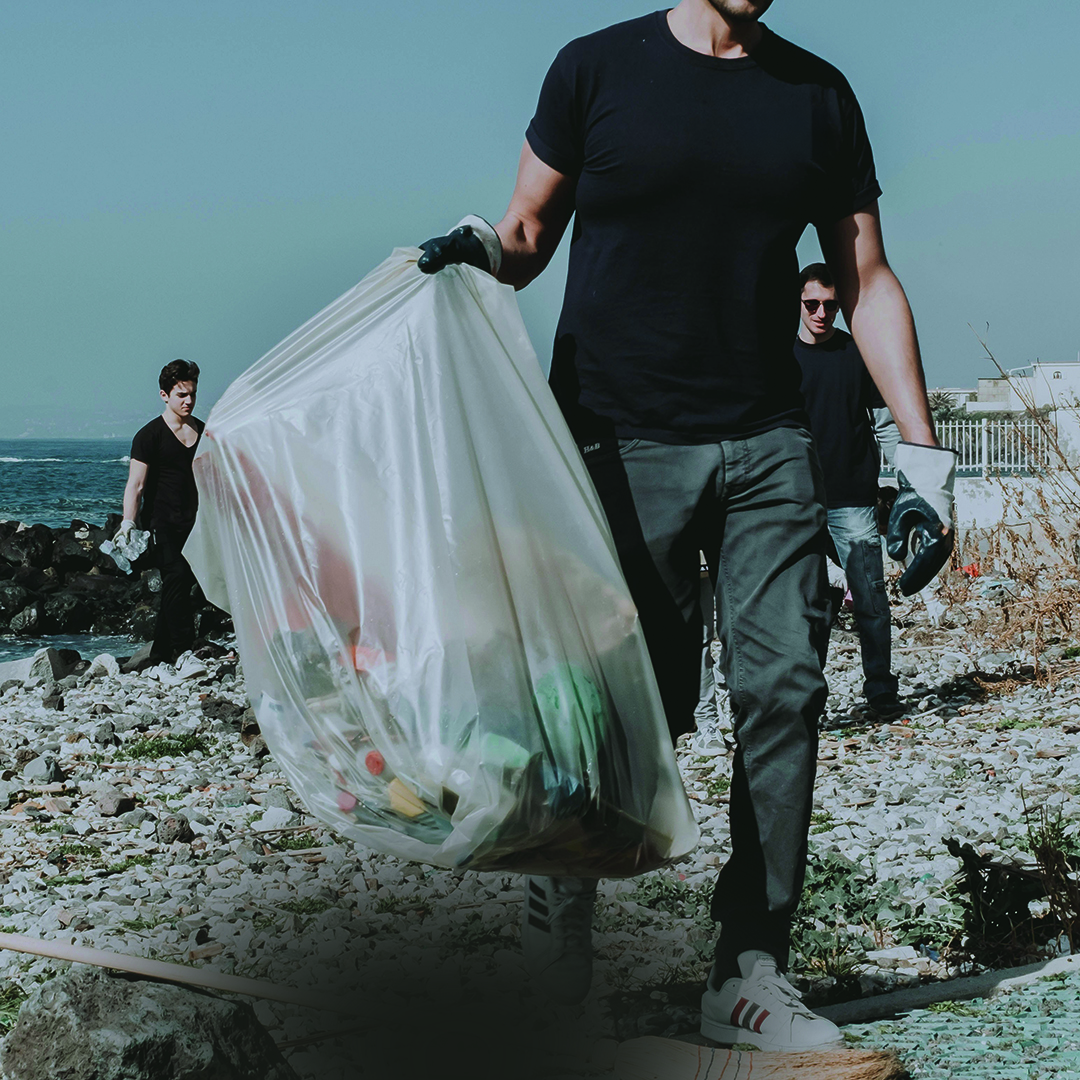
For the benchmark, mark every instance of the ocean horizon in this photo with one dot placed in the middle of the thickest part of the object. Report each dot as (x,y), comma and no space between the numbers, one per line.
(56,481)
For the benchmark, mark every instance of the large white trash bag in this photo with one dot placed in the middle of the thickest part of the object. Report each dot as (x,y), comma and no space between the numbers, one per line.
(436,635)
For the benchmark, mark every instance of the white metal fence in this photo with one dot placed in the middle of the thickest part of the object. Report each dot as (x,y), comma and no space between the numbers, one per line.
(994,447)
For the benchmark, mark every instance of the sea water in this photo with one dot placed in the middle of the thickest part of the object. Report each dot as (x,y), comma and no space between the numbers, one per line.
(53,481)
(56,481)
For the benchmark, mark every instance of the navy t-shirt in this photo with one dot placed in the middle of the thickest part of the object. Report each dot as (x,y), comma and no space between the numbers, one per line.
(695,177)
(839,394)
(170,496)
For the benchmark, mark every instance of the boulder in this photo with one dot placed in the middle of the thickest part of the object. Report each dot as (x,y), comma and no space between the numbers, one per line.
(142,622)
(31,546)
(35,579)
(69,554)
(13,598)
(45,664)
(66,613)
(97,585)
(89,1023)
(29,621)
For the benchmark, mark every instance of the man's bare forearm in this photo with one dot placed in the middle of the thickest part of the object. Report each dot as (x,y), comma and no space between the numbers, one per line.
(534,222)
(132,496)
(527,248)
(884,330)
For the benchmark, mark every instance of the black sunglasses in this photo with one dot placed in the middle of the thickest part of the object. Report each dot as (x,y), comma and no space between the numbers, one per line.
(830,306)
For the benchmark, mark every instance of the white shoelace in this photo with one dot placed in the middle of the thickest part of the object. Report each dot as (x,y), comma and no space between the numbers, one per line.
(786,993)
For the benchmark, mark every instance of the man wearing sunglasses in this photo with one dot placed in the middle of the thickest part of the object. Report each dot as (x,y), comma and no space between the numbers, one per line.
(851,428)
(692,147)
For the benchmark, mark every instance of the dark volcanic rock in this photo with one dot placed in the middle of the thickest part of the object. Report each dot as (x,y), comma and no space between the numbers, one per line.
(219,708)
(97,585)
(31,547)
(35,579)
(142,621)
(88,1023)
(65,613)
(58,581)
(69,554)
(28,621)
(174,827)
(13,598)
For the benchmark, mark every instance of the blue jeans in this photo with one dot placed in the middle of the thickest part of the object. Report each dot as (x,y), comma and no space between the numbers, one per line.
(854,532)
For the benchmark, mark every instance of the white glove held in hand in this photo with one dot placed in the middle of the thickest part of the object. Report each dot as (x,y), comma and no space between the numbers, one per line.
(931,471)
(125,527)
(837,577)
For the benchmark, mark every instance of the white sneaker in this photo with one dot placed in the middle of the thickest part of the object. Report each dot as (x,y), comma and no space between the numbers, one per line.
(188,666)
(162,672)
(556,935)
(763,1009)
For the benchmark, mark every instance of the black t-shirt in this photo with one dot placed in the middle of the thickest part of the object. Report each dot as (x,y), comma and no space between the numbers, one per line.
(170,496)
(696,176)
(839,394)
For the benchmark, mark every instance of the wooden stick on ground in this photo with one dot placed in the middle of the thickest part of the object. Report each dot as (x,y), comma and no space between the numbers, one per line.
(652,1058)
(177,973)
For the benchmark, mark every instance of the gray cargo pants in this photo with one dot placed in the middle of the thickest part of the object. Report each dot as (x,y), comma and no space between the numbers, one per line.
(755,507)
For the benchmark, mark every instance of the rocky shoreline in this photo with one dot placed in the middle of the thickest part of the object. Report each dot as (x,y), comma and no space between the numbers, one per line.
(146,815)
(58,581)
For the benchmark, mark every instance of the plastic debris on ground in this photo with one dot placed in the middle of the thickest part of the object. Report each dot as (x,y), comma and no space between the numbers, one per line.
(436,635)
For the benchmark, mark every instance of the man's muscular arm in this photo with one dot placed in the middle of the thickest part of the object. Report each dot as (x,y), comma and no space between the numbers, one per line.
(877,310)
(521,245)
(539,211)
(880,318)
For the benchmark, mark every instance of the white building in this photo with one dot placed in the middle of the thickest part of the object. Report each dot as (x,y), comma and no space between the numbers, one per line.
(1037,385)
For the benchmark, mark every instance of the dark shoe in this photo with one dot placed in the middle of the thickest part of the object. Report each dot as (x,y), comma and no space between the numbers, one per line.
(886,706)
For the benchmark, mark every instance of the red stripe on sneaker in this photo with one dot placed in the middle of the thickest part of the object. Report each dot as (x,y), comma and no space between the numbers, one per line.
(760,1020)
(736,1013)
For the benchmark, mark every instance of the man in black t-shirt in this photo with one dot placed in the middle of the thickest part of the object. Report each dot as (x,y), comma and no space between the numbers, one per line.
(160,477)
(851,427)
(692,147)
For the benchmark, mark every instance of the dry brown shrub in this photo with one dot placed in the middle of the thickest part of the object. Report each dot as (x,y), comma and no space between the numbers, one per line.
(1035,545)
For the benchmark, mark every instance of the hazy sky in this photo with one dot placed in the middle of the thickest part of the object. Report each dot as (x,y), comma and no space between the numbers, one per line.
(196,179)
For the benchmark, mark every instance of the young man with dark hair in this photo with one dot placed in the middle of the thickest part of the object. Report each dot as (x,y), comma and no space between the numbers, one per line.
(851,428)
(693,146)
(160,477)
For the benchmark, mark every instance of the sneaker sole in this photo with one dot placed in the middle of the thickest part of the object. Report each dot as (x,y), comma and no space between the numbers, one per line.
(729,1035)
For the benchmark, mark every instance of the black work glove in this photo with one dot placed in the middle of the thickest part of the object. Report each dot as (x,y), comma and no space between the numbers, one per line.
(473,241)
(922,513)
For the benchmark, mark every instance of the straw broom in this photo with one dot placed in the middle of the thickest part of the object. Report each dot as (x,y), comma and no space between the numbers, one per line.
(668,1059)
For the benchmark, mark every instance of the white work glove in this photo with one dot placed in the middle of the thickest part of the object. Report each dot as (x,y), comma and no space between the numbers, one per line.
(922,516)
(122,533)
(837,577)
(931,472)
(473,240)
